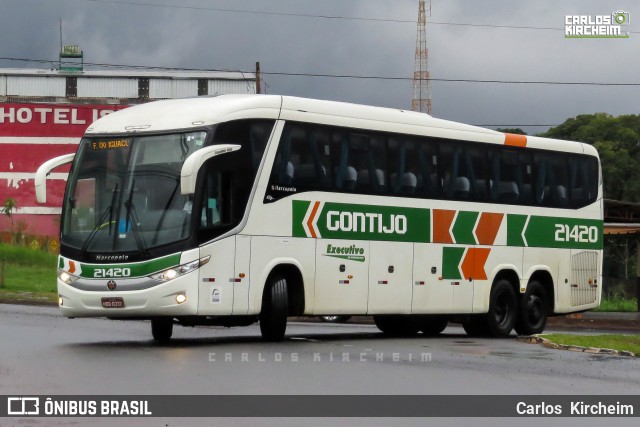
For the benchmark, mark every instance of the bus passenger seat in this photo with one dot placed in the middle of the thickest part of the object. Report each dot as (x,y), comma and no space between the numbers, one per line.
(350,178)
(508,191)
(461,188)
(408,183)
(563,199)
(380,180)
(289,174)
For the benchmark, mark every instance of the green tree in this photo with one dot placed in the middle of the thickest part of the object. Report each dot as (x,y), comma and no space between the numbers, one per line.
(8,207)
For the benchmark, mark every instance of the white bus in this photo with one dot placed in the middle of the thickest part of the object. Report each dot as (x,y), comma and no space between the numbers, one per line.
(235,209)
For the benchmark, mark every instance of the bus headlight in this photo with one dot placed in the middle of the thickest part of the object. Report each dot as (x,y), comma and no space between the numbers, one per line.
(180,270)
(66,277)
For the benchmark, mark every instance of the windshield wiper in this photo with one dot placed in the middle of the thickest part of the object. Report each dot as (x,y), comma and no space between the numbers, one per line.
(164,212)
(131,213)
(99,224)
(113,200)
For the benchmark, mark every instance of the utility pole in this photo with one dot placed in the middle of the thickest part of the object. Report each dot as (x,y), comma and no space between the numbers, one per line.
(258,89)
(421,79)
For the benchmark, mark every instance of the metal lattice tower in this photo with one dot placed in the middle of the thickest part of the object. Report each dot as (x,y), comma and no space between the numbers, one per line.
(421,79)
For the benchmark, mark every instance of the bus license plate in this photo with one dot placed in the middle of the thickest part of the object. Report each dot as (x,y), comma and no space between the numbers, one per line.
(115,302)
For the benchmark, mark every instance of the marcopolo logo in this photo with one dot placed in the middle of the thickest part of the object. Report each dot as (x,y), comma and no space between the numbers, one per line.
(360,222)
(614,26)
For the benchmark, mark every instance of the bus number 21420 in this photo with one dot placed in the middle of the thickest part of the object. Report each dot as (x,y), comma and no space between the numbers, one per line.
(102,273)
(577,233)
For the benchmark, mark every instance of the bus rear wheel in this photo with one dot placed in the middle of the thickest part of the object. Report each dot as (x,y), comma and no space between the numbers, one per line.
(396,325)
(533,312)
(275,309)
(432,325)
(502,309)
(162,329)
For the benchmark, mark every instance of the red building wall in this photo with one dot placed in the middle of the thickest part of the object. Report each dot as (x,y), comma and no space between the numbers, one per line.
(31,134)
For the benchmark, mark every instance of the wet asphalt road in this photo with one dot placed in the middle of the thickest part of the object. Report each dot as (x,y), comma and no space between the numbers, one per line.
(43,353)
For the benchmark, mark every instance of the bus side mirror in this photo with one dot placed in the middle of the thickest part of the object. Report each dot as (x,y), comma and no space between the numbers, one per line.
(194,162)
(43,171)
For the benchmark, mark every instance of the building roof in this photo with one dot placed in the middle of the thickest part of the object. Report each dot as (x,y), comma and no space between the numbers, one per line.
(132,73)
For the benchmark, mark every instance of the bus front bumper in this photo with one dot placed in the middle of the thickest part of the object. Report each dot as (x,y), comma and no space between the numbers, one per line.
(177,297)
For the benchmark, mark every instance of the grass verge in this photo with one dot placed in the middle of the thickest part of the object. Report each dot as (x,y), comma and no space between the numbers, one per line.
(618,304)
(29,276)
(610,341)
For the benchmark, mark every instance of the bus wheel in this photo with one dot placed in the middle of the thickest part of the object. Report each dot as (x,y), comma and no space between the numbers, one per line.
(162,329)
(397,326)
(275,308)
(502,309)
(476,326)
(532,313)
(432,325)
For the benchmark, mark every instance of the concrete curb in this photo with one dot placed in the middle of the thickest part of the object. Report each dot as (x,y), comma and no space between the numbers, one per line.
(535,339)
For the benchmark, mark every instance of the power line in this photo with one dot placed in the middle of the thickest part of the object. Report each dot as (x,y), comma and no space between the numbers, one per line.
(513,126)
(327,75)
(316,16)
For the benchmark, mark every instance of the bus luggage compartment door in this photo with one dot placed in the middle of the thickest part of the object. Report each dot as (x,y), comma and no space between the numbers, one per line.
(342,275)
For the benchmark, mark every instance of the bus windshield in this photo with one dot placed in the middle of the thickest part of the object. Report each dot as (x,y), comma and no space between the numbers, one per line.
(124,193)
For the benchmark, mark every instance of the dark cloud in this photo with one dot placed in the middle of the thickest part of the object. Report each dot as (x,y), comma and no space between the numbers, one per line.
(155,36)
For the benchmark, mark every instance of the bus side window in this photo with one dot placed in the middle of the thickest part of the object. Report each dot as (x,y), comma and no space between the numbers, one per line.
(429,183)
(345,174)
(524,177)
(551,180)
(476,165)
(404,166)
(253,135)
(460,182)
(301,161)
(508,176)
(583,178)
(373,165)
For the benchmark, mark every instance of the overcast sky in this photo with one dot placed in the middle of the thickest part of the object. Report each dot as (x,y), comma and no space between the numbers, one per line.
(121,32)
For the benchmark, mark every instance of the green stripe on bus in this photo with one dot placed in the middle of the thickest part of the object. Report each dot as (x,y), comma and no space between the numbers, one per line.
(299,211)
(463,228)
(404,224)
(451,258)
(554,232)
(362,222)
(571,233)
(515,227)
(139,269)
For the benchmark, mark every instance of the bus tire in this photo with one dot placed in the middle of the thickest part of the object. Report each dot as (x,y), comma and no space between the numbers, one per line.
(396,326)
(476,326)
(532,312)
(502,309)
(275,309)
(162,329)
(432,325)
